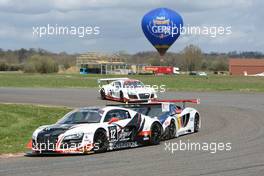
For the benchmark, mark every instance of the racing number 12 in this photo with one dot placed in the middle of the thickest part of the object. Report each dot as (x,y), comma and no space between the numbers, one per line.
(112,133)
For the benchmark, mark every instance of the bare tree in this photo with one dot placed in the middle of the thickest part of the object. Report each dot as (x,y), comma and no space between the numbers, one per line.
(192,57)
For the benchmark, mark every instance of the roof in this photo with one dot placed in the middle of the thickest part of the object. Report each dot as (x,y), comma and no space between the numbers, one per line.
(107,108)
(111,79)
(246,62)
(131,80)
(99,58)
(87,108)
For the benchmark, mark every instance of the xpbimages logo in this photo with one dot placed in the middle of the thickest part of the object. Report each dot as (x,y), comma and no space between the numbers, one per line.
(211,147)
(60,30)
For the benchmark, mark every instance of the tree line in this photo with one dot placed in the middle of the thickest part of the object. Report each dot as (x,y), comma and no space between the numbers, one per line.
(191,58)
(35,60)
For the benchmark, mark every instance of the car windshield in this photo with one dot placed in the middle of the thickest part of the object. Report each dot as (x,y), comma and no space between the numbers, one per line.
(133,84)
(154,111)
(81,116)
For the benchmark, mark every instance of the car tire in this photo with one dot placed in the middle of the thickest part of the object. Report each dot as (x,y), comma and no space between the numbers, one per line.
(102,93)
(100,141)
(196,123)
(172,130)
(121,96)
(155,136)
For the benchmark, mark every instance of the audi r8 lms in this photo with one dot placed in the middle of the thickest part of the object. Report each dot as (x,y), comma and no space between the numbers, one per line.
(98,130)
(125,90)
(176,120)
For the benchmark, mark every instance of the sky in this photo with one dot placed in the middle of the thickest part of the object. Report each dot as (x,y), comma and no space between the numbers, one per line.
(119,22)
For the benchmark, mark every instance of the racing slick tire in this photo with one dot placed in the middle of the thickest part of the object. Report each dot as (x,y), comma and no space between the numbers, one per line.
(102,93)
(172,130)
(196,123)
(156,132)
(121,96)
(100,141)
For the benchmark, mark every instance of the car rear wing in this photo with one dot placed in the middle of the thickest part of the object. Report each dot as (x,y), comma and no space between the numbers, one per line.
(183,101)
(108,80)
(157,102)
(158,106)
(195,101)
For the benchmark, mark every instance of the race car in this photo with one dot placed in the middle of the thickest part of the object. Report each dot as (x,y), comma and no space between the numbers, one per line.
(176,120)
(96,129)
(125,90)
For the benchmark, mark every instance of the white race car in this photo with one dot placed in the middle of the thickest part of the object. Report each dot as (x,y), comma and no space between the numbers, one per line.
(176,120)
(98,130)
(125,90)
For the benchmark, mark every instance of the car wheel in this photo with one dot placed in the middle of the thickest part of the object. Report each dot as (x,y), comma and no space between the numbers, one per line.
(155,135)
(102,93)
(172,130)
(196,123)
(121,96)
(100,141)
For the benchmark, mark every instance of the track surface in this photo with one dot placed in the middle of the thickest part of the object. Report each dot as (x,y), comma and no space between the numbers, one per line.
(236,118)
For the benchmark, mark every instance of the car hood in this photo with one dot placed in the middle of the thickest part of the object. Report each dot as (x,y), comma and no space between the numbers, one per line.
(140,90)
(54,130)
(58,129)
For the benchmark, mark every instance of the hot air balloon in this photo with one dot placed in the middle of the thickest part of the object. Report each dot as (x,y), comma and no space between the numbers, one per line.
(162,28)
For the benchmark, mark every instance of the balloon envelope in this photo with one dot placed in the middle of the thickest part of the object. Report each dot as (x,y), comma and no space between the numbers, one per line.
(162,28)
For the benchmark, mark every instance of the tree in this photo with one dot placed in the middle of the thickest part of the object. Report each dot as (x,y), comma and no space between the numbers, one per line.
(22,55)
(192,57)
(41,64)
(3,66)
(219,65)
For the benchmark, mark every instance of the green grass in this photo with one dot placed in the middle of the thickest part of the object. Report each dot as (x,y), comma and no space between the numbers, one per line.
(17,123)
(182,82)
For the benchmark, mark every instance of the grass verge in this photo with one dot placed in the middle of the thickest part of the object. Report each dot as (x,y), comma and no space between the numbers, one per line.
(181,82)
(17,123)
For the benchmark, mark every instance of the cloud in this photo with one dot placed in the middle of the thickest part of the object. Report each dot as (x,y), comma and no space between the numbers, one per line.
(45,6)
(120,20)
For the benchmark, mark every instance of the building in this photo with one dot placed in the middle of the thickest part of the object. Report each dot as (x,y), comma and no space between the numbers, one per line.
(100,63)
(249,66)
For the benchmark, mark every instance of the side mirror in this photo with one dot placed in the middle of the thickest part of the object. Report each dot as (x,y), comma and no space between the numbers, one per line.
(178,111)
(113,119)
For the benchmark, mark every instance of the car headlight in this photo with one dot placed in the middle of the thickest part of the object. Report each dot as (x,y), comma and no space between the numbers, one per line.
(73,136)
(34,135)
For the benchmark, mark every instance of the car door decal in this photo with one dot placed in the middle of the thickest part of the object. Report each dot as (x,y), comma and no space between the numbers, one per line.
(135,122)
(179,120)
(186,119)
(123,134)
(113,133)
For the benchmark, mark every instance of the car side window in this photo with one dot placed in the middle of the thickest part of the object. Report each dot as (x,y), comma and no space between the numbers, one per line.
(173,109)
(117,84)
(120,114)
(79,116)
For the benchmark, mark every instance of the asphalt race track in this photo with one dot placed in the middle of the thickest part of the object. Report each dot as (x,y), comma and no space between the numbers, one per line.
(227,117)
